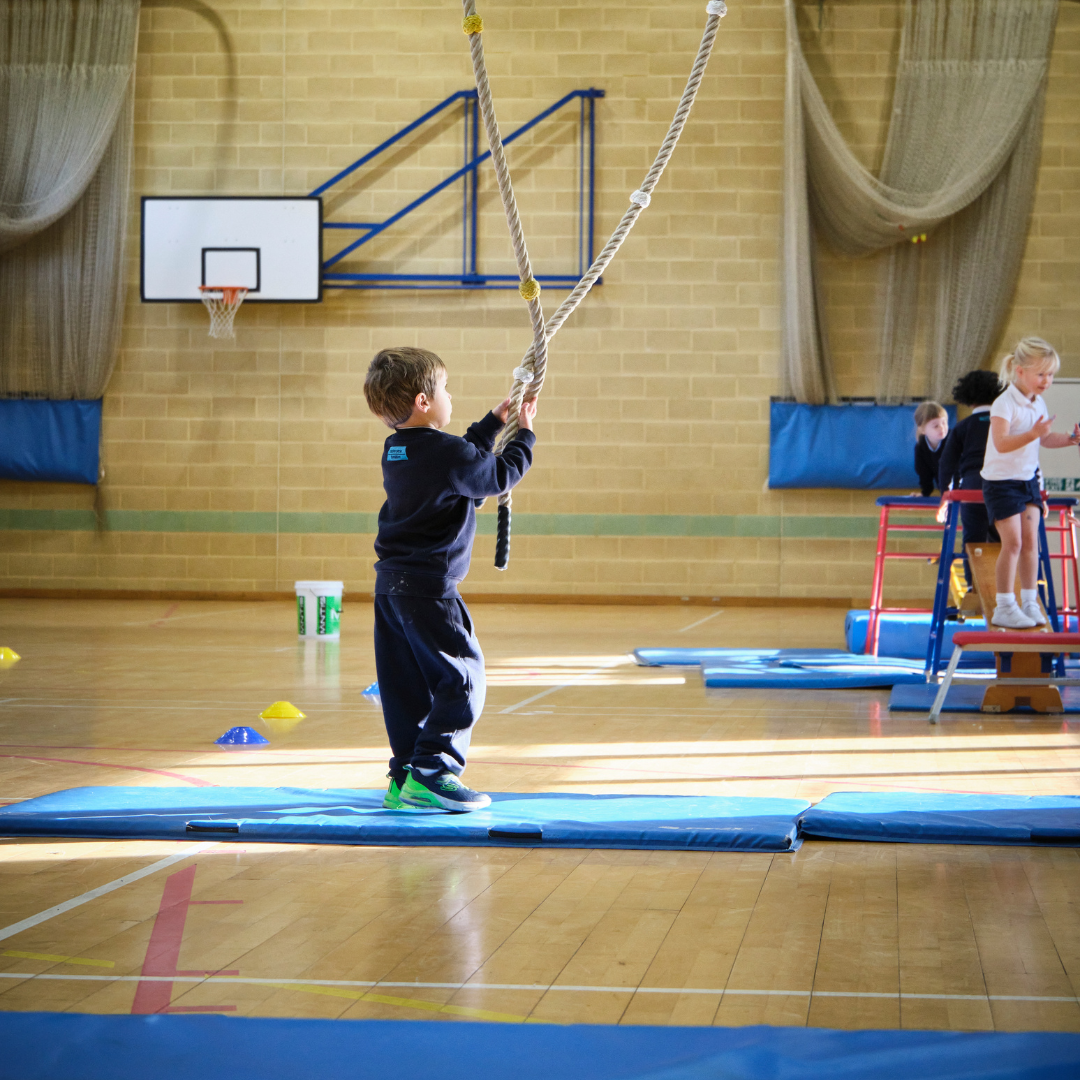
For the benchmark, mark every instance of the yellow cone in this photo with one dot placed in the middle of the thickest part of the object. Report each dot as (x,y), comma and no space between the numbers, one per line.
(281,710)
(8,656)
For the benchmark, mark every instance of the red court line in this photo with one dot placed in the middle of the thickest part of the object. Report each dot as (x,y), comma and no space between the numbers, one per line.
(163,949)
(169,612)
(109,765)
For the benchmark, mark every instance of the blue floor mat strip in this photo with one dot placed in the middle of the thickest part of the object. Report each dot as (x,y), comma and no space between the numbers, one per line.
(354,816)
(806,669)
(945,818)
(961,698)
(795,669)
(44,1046)
(647,822)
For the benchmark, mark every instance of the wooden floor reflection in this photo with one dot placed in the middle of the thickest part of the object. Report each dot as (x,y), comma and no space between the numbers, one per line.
(838,935)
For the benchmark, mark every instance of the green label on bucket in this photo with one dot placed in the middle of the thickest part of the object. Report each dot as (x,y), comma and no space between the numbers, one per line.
(329,615)
(301,615)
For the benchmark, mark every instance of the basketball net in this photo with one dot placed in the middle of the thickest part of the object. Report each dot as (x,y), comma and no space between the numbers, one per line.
(223,302)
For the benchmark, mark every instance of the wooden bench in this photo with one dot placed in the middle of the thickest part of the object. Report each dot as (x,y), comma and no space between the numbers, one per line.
(1025,669)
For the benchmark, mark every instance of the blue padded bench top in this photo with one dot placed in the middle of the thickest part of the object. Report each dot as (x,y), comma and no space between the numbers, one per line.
(355,816)
(945,818)
(43,1046)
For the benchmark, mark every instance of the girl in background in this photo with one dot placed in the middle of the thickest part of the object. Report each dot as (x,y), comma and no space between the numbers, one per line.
(931,427)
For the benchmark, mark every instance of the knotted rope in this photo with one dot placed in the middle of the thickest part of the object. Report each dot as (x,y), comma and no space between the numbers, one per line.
(529,375)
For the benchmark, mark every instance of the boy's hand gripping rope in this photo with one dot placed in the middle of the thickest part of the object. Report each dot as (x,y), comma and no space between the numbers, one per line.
(529,376)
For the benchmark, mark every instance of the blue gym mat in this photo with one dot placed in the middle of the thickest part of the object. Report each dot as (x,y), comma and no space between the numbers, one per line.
(354,816)
(83,1046)
(810,669)
(795,669)
(968,698)
(908,636)
(909,817)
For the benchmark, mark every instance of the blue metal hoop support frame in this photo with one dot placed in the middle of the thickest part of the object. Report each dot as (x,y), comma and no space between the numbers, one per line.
(470,276)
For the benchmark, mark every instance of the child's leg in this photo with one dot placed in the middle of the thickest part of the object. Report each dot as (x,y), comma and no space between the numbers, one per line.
(1011,534)
(442,640)
(406,700)
(1029,550)
(976,526)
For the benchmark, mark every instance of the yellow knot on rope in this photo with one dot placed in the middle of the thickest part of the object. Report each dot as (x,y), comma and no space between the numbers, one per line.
(472,24)
(530,289)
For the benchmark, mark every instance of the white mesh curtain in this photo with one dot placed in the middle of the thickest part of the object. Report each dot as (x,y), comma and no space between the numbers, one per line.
(960,165)
(66,121)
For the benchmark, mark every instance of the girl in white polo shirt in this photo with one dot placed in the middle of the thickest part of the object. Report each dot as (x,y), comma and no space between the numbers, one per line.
(1011,490)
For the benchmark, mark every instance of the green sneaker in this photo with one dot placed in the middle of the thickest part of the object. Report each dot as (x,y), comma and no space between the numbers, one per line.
(392,800)
(443,791)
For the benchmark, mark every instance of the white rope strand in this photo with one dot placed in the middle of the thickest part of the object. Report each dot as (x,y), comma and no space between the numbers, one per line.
(473,25)
(529,375)
(640,199)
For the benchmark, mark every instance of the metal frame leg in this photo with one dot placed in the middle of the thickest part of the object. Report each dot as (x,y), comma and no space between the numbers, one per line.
(941,592)
(877,588)
(943,689)
(1050,600)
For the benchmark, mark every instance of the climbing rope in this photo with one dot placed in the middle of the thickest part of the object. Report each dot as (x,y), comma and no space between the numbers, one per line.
(529,375)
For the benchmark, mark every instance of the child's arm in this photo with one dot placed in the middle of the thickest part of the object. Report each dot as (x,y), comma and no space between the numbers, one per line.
(951,453)
(481,474)
(1058,440)
(1005,443)
(924,467)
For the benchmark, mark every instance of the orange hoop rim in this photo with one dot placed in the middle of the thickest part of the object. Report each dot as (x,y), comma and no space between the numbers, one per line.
(229,293)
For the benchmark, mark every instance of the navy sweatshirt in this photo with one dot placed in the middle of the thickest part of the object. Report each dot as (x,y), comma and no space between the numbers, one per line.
(965,448)
(926,464)
(433,483)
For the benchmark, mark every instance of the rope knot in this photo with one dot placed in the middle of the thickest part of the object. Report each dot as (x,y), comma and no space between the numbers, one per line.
(530,289)
(473,24)
(716,7)
(523,375)
(640,198)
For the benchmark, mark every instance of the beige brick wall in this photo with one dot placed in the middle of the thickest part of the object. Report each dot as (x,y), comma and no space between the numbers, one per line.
(657,398)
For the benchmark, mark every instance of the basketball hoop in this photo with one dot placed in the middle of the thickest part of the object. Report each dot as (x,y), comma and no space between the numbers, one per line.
(223,302)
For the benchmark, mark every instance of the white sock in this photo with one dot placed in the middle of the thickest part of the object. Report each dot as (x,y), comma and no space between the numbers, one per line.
(1029,596)
(425,772)
(1006,599)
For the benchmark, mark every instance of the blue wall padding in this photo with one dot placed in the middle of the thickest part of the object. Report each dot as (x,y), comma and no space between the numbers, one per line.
(353,816)
(908,636)
(50,440)
(945,818)
(84,1046)
(843,446)
(966,698)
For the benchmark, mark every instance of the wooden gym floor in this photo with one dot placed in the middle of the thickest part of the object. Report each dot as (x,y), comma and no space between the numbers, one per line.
(837,935)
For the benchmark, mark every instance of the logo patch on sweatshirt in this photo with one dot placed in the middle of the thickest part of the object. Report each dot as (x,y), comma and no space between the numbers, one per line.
(397,453)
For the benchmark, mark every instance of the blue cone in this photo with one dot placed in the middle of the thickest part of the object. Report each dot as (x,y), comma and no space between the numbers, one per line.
(242,736)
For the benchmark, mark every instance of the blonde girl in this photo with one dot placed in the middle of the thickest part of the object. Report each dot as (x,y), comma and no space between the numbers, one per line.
(1011,490)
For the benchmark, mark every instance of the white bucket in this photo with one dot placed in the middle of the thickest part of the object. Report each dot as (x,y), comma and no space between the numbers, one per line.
(318,609)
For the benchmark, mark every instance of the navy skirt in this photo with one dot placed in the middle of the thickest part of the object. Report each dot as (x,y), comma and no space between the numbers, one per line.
(1007,498)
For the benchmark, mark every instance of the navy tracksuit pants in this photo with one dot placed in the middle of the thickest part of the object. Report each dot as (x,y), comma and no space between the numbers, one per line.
(431,680)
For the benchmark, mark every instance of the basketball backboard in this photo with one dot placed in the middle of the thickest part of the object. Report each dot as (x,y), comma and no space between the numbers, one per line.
(270,246)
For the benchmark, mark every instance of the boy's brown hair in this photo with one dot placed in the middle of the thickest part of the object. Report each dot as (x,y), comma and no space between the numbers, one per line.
(395,377)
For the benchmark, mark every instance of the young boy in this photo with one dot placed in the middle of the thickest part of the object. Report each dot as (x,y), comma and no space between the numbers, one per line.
(429,664)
